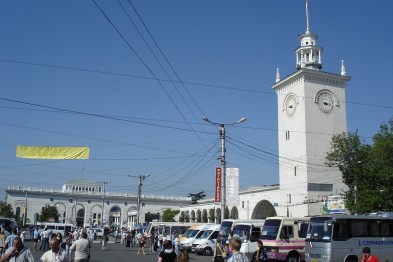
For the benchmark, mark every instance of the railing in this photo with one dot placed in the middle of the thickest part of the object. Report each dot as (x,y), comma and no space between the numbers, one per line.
(51,190)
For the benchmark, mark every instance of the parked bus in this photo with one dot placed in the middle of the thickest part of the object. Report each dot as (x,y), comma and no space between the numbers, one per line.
(284,238)
(58,228)
(343,237)
(248,233)
(167,228)
(8,223)
(205,244)
(227,226)
(194,233)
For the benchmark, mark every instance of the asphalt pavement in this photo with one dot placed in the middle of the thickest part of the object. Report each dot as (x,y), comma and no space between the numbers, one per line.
(115,252)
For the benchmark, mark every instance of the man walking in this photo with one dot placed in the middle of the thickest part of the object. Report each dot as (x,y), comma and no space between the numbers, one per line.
(81,248)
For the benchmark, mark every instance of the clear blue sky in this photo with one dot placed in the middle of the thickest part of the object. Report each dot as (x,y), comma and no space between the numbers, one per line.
(69,77)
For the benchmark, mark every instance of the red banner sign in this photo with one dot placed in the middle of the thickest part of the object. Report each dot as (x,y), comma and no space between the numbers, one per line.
(218,185)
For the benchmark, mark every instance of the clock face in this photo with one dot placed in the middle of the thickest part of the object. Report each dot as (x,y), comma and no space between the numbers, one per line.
(290,104)
(325,102)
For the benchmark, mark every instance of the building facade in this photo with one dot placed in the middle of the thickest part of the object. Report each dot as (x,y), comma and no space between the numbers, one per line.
(83,203)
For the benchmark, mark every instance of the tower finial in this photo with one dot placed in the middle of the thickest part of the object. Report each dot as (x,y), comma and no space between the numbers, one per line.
(278,75)
(307,19)
(343,70)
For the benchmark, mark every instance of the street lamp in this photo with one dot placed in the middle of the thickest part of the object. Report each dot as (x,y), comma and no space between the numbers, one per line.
(222,159)
(103,202)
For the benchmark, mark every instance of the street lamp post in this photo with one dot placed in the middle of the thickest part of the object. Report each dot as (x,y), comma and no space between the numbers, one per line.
(222,159)
(103,202)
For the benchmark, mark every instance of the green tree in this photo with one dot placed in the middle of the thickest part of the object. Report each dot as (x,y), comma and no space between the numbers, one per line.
(6,210)
(367,169)
(169,214)
(49,212)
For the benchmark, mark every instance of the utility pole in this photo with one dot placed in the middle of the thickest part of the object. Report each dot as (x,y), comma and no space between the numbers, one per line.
(103,202)
(222,160)
(141,178)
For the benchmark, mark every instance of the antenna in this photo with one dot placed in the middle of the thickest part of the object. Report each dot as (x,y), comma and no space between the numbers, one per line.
(307,19)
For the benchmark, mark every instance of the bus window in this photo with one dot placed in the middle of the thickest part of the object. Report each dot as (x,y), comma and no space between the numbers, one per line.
(270,229)
(287,232)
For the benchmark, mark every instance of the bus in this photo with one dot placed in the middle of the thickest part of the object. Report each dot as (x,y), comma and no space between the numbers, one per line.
(206,243)
(227,226)
(191,235)
(284,238)
(343,237)
(59,228)
(167,228)
(248,233)
(8,223)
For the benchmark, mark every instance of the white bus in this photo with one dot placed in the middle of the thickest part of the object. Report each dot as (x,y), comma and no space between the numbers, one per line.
(58,228)
(343,237)
(284,238)
(227,226)
(167,228)
(248,233)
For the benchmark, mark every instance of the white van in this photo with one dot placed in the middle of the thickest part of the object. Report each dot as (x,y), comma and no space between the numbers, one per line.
(205,244)
(248,233)
(197,231)
(59,228)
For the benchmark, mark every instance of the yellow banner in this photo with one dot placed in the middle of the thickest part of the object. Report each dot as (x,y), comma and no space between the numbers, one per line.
(52,152)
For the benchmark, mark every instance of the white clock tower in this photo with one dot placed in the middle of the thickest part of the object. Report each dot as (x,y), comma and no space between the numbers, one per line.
(311,109)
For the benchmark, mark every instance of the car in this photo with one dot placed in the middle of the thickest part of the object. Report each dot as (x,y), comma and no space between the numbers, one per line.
(98,232)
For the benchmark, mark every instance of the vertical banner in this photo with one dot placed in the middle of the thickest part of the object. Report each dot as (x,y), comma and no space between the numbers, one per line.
(217,198)
(232,186)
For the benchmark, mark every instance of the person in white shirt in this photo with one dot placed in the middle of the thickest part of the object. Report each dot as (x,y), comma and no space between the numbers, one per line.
(81,248)
(55,254)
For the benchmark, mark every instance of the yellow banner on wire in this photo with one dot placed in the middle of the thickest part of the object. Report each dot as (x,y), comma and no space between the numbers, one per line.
(52,152)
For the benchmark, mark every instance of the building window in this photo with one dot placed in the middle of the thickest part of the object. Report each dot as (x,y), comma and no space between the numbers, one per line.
(287,135)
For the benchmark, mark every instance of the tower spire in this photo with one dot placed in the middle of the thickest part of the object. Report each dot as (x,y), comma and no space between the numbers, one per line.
(307,19)
(308,54)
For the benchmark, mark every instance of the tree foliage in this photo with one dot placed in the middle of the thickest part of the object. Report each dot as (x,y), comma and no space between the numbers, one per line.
(49,212)
(367,169)
(169,214)
(6,210)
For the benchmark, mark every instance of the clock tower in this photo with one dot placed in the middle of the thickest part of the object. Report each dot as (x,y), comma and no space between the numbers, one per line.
(311,109)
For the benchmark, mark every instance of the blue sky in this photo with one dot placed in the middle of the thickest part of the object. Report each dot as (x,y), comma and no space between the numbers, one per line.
(72,76)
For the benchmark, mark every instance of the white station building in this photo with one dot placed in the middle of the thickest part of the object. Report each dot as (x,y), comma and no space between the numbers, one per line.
(311,109)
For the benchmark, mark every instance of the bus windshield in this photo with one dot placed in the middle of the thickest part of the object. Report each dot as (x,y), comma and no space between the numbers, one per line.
(191,232)
(225,229)
(242,232)
(319,229)
(270,229)
(206,234)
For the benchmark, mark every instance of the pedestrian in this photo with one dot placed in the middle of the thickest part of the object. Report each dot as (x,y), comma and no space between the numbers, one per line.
(2,241)
(152,241)
(142,243)
(18,252)
(56,253)
(44,240)
(68,244)
(234,247)
(367,256)
(219,251)
(35,239)
(23,235)
(81,247)
(259,253)
(8,240)
(183,256)
(167,254)
(104,240)
(176,242)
